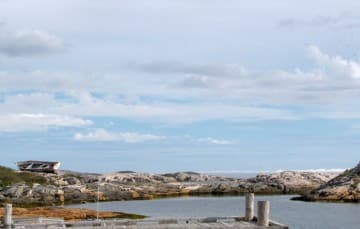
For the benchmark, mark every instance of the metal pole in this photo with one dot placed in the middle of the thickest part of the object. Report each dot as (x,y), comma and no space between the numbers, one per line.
(249,206)
(97,202)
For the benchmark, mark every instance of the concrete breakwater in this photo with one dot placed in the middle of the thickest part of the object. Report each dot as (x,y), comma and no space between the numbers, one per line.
(73,187)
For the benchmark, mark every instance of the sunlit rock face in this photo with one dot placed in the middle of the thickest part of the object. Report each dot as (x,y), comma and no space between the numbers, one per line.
(345,187)
(73,187)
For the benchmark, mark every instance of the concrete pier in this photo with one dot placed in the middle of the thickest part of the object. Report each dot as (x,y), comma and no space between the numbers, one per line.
(263,216)
(177,223)
(249,206)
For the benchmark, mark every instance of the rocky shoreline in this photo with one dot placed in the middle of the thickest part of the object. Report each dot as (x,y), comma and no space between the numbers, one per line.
(343,188)
(71,187)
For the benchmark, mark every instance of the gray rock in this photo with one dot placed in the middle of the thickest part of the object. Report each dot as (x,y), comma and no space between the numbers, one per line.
(344,187)
(71,187)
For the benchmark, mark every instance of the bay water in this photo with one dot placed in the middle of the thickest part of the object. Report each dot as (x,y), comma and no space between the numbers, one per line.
(296,214)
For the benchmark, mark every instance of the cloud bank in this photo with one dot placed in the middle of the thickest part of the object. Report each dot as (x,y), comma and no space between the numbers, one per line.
(38,122)
(101,135)
(32,42)
(344,20)
(214,141)
(184,94)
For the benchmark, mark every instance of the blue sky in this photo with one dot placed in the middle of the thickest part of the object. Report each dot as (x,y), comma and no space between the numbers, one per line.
(180,85)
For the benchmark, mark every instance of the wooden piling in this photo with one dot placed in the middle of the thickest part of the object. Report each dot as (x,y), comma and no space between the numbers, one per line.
(263,215)
(249,206)
(8,215)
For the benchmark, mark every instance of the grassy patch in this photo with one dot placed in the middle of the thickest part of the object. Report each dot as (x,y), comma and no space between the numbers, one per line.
(9,176)
(131,216)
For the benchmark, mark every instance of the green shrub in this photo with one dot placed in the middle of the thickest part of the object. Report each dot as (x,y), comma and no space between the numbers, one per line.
(9,176)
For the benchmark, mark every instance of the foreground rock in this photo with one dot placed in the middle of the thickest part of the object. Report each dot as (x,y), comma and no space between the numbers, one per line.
(70,187)
(345,187)
(67,213)
(23,194)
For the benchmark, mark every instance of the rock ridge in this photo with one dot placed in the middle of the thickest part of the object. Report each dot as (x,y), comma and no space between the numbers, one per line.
(72,187)
(344,187)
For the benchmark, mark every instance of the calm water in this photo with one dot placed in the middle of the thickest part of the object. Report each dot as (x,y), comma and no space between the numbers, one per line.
(297,214)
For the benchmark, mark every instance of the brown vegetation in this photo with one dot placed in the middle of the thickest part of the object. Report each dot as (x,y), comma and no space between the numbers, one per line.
(68,213)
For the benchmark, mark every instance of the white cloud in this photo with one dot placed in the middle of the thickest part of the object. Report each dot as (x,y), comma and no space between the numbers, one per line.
(341,21)
(334,77)
(335,65)
(37,122)
(28,42)
(214,141)
(238,95)
(85,104)
(27,103)
(171,112)
(195,81)
(105,136)
(193,69)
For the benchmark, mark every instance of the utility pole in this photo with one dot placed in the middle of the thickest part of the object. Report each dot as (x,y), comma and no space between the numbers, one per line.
(97,202)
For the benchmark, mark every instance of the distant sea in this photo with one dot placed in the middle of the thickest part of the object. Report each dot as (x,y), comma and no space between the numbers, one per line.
(233,174)
(296,214)
(249,174)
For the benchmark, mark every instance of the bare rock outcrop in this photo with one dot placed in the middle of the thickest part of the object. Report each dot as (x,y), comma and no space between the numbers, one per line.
(292,181)
(25,195)
(344,187)
(71,187)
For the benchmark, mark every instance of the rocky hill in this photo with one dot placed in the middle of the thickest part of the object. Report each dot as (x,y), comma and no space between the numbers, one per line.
(345,187)
(9,177)
(72,187)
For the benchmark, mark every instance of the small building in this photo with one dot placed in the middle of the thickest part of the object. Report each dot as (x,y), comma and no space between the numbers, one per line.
(38,166)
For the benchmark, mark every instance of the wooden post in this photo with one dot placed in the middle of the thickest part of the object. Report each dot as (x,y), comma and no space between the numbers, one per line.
(8,215)
(249,206)
(263,213)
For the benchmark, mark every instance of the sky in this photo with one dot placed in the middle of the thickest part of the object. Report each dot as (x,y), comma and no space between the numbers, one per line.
(162,86)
